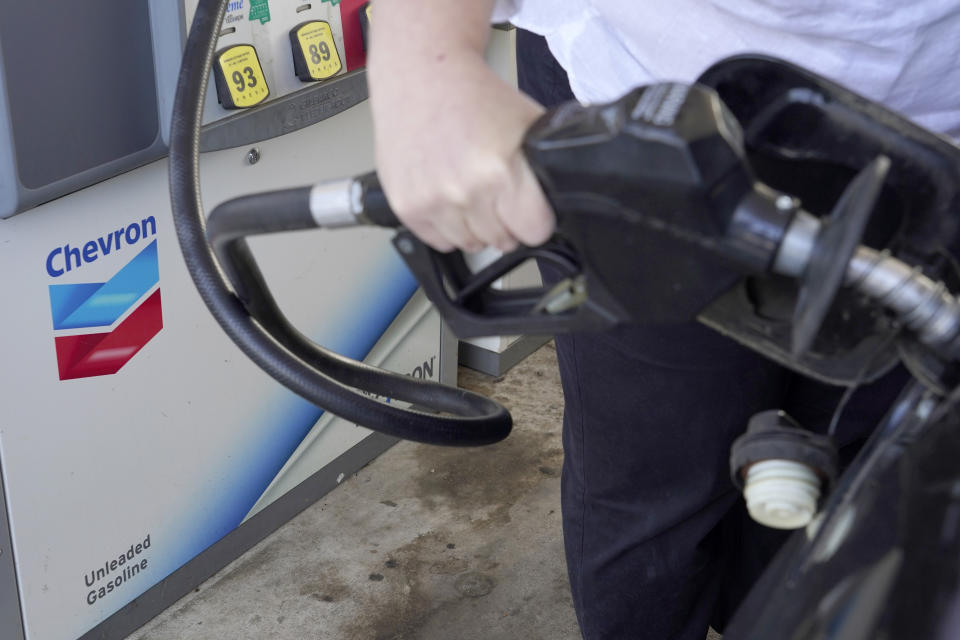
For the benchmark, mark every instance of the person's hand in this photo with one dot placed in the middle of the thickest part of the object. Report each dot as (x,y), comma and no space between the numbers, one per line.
(448,130)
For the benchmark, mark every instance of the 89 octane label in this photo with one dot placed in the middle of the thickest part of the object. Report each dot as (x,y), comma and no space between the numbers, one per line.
(319,50)
(241,77)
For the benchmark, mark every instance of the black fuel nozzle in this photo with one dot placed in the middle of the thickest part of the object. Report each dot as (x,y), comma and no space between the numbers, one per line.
(672,156)
(656,194)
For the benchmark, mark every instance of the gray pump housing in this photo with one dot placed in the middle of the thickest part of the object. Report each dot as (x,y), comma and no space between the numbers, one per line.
(85,93)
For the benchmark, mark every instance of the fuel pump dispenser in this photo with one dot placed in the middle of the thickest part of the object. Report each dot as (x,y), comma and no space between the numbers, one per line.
(140,452)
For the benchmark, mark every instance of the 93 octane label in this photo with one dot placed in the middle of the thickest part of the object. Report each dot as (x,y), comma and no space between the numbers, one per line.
(319,50)
(242,76)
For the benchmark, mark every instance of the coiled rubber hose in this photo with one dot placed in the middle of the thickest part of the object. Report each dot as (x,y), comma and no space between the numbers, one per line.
(324,378)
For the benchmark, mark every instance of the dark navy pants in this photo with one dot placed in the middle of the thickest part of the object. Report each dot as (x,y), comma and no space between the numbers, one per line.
(658,541)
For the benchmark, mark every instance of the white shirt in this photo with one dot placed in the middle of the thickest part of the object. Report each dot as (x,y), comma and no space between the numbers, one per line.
(903,53)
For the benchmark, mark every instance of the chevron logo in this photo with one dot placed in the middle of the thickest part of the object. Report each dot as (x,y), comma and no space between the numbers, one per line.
(127,305)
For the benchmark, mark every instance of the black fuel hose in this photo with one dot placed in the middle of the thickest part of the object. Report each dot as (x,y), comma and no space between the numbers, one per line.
(227,228)
(323,377)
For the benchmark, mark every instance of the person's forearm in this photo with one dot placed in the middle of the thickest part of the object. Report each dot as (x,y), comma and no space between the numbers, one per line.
(426,32)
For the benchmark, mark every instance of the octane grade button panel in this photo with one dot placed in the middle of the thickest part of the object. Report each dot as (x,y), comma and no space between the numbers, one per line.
(315,55)
(239,77)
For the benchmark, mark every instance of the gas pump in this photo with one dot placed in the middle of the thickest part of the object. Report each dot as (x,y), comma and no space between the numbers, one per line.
(139,450)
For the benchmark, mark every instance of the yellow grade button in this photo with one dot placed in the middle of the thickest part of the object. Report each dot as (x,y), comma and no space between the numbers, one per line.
(315,55)
(239,76)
